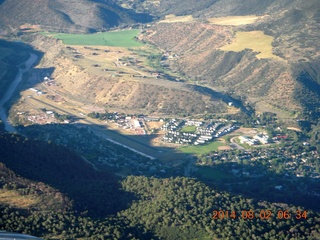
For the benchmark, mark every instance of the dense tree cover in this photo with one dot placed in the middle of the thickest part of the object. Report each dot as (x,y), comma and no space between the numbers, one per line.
(256,172)
(68,225)
(40,195)
(168,208)
(63,169)
(171,208)
(181,208)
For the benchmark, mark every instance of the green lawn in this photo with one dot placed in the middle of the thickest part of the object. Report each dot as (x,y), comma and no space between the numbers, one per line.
(202,149)
(124,38)
(189,129)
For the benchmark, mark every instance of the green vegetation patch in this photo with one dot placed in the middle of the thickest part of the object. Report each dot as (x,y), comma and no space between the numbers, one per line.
(189,129)
(124,38)
(202,149)
(212,174)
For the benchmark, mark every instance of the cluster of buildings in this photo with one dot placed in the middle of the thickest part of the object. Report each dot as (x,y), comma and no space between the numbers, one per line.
(292,164)
(37,91)
(211,131)
(42,118)
(204,132)
(257,139)
(133,123)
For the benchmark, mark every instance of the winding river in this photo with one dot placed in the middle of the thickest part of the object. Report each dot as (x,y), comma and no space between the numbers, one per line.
(8,94)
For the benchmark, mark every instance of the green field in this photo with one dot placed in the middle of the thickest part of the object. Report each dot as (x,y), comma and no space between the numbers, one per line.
(202,149)
(189,129)
(124,38)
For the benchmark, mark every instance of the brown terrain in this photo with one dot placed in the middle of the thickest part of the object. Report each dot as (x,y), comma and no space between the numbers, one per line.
(267,83)
(99,77)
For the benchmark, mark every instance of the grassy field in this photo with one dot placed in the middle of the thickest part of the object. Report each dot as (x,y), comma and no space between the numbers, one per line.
(234,20)
(173,18)
(202,149)
(255,40)
(124,38)
(189,129)
(15,199)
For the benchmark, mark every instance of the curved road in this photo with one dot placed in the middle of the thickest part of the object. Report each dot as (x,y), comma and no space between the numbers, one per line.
(8,94)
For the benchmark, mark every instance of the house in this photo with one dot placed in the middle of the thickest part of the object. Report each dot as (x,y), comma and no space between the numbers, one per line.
(263,138)
(247,140)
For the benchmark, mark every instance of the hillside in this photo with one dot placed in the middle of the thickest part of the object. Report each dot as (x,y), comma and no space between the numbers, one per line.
(62,169)
(21,193)
(168,208)
(214,8)
(11,55)
(99,77)
(278,82)
(67,16)
(227,56)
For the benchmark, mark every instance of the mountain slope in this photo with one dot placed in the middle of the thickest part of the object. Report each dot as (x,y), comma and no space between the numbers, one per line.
(271,83)
(67,16)
(62,169)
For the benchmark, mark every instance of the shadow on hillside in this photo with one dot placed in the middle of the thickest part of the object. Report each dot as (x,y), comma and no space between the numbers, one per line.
(257,182)
(252,181)
(220,96)
(98,190)
(310,88)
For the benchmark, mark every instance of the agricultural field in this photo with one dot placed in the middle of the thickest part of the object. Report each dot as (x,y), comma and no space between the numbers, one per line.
(124,38)
(202,149)
(257,41)
(234,20)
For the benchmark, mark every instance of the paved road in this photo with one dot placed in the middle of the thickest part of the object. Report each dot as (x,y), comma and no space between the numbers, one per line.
(8,94)
(235,145)
(110,135)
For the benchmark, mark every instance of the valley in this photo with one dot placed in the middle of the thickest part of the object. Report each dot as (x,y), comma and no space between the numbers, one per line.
(142,119)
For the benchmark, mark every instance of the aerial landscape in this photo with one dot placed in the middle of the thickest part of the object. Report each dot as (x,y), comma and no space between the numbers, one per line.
(160,119)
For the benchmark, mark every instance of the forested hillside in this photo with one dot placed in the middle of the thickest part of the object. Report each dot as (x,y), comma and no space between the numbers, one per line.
(83,170)
(169,208)
(64,170)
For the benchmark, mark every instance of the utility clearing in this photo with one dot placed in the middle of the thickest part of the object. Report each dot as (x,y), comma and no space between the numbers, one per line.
(234,20)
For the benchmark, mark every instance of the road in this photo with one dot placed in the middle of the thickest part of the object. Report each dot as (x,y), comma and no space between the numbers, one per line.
(234,144)
(108,134)
(8,94)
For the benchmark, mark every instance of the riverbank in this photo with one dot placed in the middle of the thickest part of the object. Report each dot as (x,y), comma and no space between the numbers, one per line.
(8,94)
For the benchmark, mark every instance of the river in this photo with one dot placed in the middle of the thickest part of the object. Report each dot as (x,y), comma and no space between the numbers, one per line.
(8,94)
